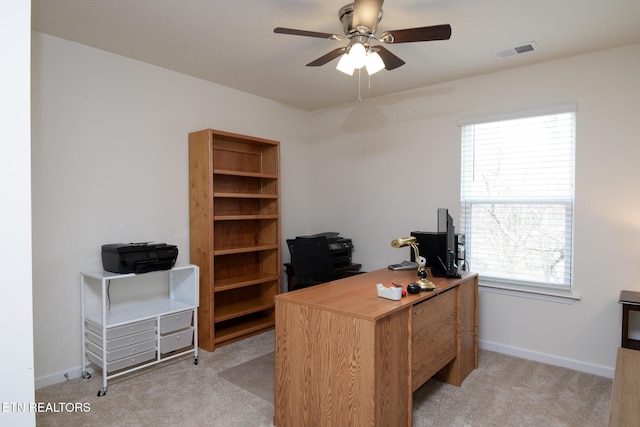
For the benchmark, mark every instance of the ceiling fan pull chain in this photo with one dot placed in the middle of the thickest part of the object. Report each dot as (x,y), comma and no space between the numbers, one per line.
(359,97)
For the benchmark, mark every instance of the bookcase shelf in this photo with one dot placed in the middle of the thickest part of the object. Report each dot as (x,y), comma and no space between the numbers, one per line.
(221,285)
(234,201)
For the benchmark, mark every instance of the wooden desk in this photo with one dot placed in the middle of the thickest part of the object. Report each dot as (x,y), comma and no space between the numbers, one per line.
(346,357)
(625,411)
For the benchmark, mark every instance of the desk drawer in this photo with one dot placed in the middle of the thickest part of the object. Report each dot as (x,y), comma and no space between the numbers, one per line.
(433,336)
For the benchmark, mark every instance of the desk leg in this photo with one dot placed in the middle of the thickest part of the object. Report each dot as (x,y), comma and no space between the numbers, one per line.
(467,335)
(330,366)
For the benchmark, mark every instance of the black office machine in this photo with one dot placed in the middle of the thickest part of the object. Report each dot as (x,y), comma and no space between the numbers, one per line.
(138,258)
(444,251)
(340,248)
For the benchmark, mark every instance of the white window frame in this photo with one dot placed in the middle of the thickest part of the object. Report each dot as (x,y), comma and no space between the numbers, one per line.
(533,289)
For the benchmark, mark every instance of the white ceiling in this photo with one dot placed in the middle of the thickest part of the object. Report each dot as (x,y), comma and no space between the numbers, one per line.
(232,43)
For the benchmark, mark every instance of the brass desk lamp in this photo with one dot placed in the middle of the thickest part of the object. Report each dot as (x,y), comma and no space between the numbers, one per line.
(425,285)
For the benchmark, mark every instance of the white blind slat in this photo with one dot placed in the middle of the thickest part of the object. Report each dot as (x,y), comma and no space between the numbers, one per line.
(517,186)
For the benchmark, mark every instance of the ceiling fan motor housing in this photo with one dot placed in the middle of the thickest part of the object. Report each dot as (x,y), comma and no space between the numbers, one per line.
(346,17)
(360,21)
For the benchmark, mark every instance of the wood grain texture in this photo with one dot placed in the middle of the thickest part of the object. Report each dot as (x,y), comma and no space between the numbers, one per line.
(200,225)
(234,210)
(344,356)
(393,369)
(357,295)
(434,336)
(466,335)
(625,407)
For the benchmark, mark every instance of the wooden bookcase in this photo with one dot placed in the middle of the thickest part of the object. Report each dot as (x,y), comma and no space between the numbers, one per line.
(234,209)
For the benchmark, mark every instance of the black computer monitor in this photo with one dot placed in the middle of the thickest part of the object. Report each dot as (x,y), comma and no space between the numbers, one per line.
(447,256)
(439,249)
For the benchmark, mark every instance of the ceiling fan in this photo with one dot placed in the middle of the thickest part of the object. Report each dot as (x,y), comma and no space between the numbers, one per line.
(360,20)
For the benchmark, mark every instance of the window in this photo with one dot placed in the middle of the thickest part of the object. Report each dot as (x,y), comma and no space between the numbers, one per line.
(517,188)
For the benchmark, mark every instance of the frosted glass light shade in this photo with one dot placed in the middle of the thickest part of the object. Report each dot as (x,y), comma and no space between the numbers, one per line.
(345,65)
(374,63)
(358,55)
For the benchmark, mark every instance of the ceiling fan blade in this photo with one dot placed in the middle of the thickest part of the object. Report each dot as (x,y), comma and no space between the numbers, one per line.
(305,33)
(328,57)
(422,34)
(391,61)
(366,13)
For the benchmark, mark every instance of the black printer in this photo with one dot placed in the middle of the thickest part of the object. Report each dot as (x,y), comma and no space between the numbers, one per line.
(340,248)
(138,257)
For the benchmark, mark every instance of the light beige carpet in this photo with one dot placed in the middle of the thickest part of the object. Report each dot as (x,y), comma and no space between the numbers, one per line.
(233,386)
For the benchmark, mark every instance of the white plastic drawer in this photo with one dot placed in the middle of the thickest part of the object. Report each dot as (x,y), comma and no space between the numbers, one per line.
(131,339)
(123,341)
(121,331)
(131,350)
(131,360)
(175,321)
(124,362)
(175,341)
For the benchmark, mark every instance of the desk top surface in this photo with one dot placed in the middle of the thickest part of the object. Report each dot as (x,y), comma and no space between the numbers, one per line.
(358,296)
(626,385)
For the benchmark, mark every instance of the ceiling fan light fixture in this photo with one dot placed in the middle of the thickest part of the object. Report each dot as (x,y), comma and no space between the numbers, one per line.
(374,63)
(360,20)
(345,65)
(358,55)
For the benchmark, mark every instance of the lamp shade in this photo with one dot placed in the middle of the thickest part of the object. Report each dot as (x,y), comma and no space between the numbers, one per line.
(345,65)
(358,55)
(374,63)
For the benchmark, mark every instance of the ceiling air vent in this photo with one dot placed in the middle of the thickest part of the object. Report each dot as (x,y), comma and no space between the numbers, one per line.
(518,50)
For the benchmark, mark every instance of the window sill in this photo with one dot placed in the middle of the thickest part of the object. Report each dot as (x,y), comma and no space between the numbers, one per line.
(527,292)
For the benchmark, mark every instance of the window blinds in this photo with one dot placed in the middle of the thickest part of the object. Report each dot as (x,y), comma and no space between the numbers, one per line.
(517,189)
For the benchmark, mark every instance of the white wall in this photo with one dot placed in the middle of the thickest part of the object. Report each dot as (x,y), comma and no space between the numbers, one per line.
(110,164)
(396,159)
(16,324)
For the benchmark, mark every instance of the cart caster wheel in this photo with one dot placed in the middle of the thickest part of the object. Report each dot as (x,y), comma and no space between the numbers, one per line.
(102,392)
(195,361)
(86,375)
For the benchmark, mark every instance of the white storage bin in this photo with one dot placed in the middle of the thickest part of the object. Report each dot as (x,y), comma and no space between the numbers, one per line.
(172,342)
(175,321)
(131,350)
(124,362)
(123,341)
(131,360)
(121,331)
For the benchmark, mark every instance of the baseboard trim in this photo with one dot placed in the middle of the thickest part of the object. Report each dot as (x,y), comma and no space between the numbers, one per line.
(58,377)
(603,371)
(590,368)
